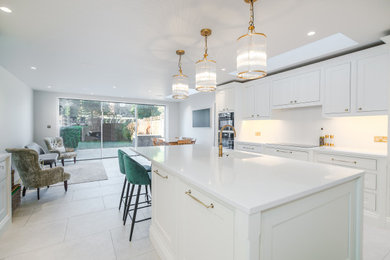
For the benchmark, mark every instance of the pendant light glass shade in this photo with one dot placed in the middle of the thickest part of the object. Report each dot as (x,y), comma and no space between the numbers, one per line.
(252,52)
(180,81)
(206,74)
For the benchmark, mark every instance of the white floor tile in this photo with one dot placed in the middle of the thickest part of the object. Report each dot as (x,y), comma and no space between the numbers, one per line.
(92,223)
(95,247)
(66,210)
(18,240)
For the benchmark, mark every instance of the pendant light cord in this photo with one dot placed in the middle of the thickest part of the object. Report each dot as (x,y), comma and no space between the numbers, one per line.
(179,65)
(205,47)
(252,18)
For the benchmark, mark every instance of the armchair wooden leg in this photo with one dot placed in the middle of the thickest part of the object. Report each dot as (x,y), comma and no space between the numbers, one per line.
(51,165)
(24,191)
(55,164)
(38,193)
(66,185)
(74,159)
(63,162)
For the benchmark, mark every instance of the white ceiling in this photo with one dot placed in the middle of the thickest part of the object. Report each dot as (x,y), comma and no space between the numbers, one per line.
(89,46)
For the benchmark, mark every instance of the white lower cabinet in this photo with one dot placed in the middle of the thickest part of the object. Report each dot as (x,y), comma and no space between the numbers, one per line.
(287,153)
(5,192)
(3,199)
(164,208)
(375,180)
(206,226)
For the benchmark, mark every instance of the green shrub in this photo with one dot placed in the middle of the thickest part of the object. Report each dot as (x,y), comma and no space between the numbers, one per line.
(71,135)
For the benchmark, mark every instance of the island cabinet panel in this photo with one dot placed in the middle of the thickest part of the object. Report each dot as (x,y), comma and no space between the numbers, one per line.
(164,219)
(323,224)
(206,232)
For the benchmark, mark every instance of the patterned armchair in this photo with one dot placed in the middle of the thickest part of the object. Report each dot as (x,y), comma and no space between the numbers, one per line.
(56,145)
(27,164)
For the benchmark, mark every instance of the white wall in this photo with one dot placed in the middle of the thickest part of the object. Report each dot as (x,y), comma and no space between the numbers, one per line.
(302,125)
(46,112)
(203,135)
(16,116)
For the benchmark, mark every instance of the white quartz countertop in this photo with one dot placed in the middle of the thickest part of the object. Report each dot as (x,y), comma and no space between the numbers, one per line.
(332,150)
(247,181)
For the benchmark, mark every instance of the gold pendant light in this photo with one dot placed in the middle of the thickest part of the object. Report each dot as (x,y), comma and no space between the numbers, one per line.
(206,76)
(180,81)
(252,51)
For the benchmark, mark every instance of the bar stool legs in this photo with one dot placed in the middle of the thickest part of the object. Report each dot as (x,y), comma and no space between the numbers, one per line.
(128,205)
(127,197)
(123,191)
(135,212)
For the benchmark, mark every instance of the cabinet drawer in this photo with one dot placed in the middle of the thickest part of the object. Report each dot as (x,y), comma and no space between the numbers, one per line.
(292,154)
(3,173)
(369,201)
(349,161)
(370,181)
(248,148)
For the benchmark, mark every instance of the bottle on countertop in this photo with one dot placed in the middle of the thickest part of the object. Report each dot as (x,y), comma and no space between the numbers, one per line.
(322,137)
(331,140)
(327,140)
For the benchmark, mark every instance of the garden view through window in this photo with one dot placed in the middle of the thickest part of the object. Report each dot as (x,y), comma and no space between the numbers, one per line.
(97,129)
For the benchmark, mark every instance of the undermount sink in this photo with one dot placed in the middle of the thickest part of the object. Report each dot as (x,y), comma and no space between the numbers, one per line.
(240,155)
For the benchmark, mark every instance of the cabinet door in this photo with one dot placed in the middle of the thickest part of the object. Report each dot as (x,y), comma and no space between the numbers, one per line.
(248,102)
(207,233)
(3,199)
(337,89)
(306,87)
(282,92)
(262,100)
(373,82)
(164,206)
(220,100)
(229,99)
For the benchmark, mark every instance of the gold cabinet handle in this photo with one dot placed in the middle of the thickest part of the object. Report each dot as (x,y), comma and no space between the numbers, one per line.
(335,160)
(360,108)
(162,176)
(197,200)
(280,151)
(346,110)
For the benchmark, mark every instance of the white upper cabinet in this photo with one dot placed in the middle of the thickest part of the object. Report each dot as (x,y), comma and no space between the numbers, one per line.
(256,100)
(225,99)
(297,91)
(282,92)
(373,82)
(337,89)
(306,87)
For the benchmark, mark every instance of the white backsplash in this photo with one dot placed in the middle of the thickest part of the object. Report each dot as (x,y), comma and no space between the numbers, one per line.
(302,125)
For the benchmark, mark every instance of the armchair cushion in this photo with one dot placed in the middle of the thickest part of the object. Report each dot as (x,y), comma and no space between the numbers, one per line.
(36,147)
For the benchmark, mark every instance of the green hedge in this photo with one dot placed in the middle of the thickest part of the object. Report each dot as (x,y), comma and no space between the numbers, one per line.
(71,135)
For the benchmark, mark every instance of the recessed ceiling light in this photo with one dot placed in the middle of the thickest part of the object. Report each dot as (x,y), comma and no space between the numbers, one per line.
(5,9)
(33,68)
(113,86)
(223,69)
(311,33)
(49,86)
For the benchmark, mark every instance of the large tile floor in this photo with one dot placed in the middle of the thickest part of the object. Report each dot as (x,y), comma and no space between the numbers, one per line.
(85,223)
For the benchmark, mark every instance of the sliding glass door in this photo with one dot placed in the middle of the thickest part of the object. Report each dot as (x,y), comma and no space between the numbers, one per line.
(119,124)
(97,129)
(80,126)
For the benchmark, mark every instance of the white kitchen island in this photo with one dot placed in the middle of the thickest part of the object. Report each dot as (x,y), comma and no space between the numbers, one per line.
(248,206)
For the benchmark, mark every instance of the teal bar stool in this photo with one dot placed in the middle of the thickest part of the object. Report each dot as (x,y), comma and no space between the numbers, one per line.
(144,163)
(137,175)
